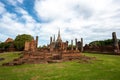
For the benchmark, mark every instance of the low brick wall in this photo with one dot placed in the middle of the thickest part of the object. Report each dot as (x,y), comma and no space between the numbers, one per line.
(100,49)
(71,55)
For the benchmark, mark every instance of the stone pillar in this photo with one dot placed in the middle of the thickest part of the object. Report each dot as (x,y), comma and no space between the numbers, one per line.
(27,46)
(71,44)
(76,44)
(50,40)
(115,42)
(81,45)
(66,45)
(33,46)
(54,39)
(50,43)
(36,41)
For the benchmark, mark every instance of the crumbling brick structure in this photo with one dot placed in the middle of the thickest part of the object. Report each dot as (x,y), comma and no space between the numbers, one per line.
(114,48)
(11,44)
(9,40)
(63,46)
(56,51)
(31,45)
(58,44)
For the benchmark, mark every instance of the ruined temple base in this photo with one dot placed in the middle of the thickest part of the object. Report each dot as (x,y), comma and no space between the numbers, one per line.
(45,58)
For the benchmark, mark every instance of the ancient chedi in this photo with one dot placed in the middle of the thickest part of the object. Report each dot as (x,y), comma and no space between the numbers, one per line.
(59,45)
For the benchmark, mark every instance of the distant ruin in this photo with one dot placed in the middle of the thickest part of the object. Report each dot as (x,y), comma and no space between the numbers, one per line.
(115,43)
(108,49)
(9,42)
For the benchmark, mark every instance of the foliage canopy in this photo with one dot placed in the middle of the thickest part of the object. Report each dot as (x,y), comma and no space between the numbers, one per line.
(20,40)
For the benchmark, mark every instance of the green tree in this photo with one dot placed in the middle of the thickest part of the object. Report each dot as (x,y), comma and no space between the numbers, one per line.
(2,45)
(44,46)
(5,46)
(102,42)
(20,41)
(70,46)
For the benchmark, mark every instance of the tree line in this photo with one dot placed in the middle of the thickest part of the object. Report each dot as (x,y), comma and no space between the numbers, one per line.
(18,43)
(103,42)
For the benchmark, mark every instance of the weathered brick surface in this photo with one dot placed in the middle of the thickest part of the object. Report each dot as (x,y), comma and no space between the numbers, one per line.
(30,45)
(27,46)
(9,40)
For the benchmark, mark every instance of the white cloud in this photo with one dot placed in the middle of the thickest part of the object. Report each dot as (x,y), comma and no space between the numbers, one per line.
(25,15)
(79,18)
(10,26)
(90,19)
(20,1)
(2,8)
(3,37)
(15,2)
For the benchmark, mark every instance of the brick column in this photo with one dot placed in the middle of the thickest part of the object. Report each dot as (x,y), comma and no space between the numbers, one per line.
(71,44)
(81,44)
(76,44)
(115,42)
(50,40)
(36,41)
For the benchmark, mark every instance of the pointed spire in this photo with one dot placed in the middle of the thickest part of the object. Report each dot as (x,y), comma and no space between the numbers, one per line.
(54,39)
(59,33)
(59,37)
(50,40)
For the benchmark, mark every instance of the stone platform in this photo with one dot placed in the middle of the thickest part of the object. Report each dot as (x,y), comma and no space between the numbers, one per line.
(43,57)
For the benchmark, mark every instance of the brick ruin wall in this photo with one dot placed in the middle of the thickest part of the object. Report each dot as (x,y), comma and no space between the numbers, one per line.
(30,46)
(111,49)
(100,49)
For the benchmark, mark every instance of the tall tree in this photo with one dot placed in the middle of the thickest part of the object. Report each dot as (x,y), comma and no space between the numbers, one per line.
(20,41)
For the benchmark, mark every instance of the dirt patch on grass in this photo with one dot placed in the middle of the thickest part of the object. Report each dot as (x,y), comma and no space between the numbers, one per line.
(1,59)
(86,59)
(34,78)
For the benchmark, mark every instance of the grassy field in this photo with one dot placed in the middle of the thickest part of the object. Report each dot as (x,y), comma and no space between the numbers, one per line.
(107,67)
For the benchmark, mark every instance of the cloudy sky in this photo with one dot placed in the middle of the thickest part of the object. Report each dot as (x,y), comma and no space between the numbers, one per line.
(89,19)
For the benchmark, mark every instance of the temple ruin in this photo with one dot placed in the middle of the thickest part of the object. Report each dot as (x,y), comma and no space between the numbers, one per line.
(56,51)
(58,45)
(59,51)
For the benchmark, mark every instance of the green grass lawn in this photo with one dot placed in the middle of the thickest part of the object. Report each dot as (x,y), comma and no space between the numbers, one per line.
(107,67)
